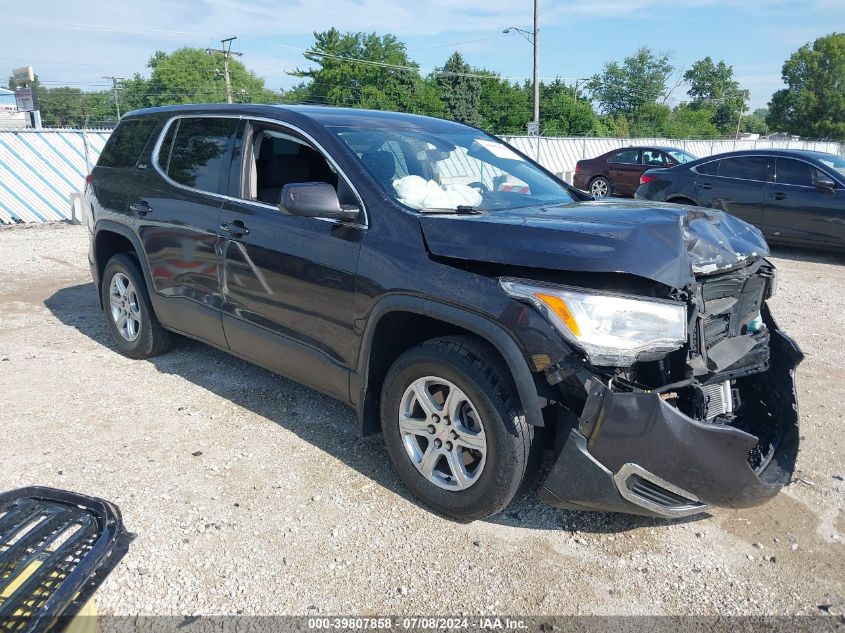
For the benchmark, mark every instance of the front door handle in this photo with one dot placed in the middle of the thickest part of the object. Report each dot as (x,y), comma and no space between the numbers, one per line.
(778,195)
(235,229)
(142,207)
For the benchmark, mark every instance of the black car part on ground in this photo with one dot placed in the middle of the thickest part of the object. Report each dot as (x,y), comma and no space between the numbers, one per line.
(56,547)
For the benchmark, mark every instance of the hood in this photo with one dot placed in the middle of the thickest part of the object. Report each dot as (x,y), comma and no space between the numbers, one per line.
(666,243)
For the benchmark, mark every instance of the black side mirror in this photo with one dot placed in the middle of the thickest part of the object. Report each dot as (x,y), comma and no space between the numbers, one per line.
(824,183)
(315,200)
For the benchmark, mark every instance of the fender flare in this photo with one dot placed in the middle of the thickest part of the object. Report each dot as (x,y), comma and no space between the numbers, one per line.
(121,229)
(479,325)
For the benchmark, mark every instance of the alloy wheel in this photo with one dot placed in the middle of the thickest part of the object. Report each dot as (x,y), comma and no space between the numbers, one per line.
(599,188)
(442,433)
(124,306)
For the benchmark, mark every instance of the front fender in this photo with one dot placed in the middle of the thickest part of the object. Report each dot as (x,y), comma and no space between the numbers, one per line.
(519,355)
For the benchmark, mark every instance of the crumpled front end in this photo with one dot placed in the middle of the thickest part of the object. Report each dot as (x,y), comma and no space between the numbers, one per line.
(714,423)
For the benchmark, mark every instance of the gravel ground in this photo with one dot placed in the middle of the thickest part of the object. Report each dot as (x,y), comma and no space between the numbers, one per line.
(251,494)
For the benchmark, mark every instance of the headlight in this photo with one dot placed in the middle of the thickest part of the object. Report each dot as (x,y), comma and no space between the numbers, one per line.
(612,329)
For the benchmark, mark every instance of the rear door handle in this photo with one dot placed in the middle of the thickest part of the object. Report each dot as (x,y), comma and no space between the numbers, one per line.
(705,186)
(778,196)
(142,207)
(235,229)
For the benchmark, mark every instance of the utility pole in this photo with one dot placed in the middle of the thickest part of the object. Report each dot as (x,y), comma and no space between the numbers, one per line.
(227,52)
(114,82)
(537,62)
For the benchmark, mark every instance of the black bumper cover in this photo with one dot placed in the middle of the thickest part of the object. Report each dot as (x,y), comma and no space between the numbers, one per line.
(707,460)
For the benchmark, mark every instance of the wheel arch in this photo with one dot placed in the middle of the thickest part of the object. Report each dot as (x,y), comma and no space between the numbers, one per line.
(421,319)
(111,238)
(682,199)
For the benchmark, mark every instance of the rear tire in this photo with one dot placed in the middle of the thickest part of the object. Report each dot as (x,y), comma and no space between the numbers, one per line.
(133,325)
(450,403)
(600,187)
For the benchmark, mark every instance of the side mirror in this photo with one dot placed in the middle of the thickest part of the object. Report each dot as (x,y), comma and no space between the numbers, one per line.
(824,183)
(315,200)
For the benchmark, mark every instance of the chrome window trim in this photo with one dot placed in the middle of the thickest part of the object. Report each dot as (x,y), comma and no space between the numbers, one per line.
(310,139)
(768,156)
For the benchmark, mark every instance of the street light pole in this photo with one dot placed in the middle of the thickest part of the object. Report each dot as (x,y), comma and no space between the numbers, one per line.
(534,38)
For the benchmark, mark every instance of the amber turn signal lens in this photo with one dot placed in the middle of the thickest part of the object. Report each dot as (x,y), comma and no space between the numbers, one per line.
(559,307)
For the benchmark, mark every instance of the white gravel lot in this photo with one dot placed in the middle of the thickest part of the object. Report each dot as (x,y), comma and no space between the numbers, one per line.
(251,494)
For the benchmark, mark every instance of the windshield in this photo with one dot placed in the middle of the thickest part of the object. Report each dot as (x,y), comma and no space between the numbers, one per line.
(451,169)
(833,162)
(680,155)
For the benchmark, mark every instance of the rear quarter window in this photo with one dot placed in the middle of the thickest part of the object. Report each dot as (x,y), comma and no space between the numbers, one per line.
(126,143)
(194,152)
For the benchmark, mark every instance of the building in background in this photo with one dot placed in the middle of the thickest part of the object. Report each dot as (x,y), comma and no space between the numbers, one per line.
(10,118)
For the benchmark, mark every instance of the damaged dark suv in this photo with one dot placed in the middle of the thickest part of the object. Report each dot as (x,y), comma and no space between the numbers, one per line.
(471,307)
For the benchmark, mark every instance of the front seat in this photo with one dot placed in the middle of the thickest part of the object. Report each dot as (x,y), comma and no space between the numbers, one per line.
(382,166)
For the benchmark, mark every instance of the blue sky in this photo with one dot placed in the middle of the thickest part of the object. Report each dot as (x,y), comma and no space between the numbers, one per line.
(77,42)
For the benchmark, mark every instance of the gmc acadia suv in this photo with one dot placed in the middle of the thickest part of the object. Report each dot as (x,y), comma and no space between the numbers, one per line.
(469,305)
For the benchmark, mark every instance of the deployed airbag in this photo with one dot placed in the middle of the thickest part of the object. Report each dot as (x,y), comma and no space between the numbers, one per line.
(422,194)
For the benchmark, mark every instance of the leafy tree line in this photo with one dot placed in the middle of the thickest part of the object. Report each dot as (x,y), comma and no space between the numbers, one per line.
(630,97)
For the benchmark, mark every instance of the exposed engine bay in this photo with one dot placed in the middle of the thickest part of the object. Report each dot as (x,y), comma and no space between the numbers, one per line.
(728,342)
(694,415)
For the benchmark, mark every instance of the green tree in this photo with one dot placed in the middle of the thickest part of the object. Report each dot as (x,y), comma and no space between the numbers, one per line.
(713,88)
(639,80)
(650,119)
(364,70)
(191,75)
(459,89)
(505,107)
(755,122)
(813,103)
(563,114)
(690,122)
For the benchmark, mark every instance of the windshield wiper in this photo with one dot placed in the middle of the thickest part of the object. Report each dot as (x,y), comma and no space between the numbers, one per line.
(465,209)
(461,209)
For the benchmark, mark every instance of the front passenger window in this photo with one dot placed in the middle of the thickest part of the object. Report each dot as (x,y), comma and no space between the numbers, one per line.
(279,159)
(794,172)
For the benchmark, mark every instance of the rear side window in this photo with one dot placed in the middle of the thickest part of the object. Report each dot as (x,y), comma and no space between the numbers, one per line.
(627,157)
(709,169)
(795,172)
(745,167)
(194,152)
(653,158)
(126,143)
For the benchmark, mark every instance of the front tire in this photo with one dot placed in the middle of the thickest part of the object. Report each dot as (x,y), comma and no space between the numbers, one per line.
(454,428)
(134,328)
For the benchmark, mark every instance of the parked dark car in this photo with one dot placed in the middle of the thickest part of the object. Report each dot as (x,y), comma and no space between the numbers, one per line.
(617,173)
(795,197)
(469,305)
